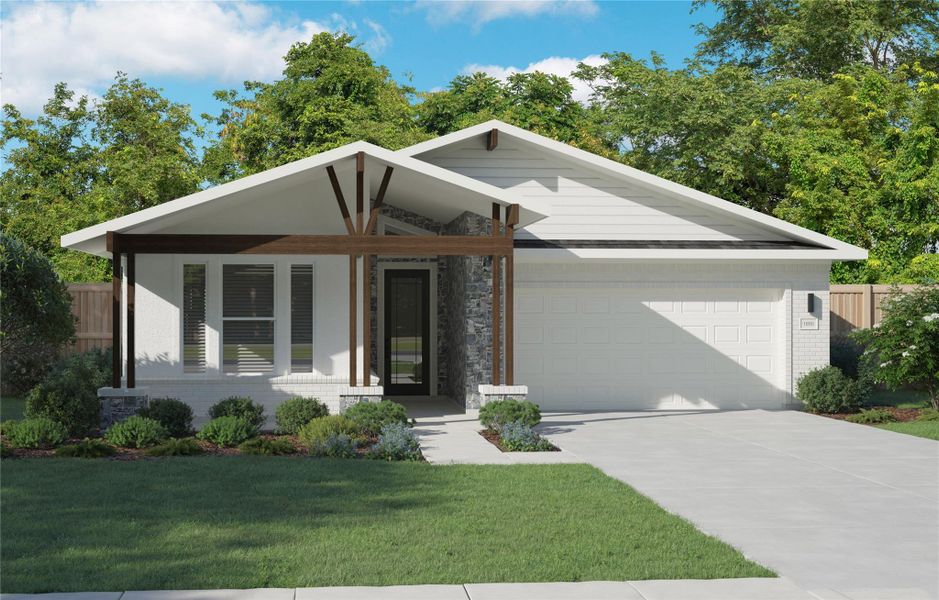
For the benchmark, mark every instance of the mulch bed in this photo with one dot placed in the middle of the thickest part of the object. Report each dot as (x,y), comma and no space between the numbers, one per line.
(493,438)
(900,414)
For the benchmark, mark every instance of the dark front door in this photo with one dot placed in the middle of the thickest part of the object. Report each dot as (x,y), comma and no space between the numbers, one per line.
(407,332)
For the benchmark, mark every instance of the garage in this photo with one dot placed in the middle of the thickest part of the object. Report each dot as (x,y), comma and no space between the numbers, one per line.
(597,348)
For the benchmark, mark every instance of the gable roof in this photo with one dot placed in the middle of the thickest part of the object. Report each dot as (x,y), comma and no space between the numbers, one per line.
(818,245)
(461,194)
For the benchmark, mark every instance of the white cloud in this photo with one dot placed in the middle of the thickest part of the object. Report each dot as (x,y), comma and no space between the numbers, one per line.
(480,12)
(84,44)
(555,65)
(380,39)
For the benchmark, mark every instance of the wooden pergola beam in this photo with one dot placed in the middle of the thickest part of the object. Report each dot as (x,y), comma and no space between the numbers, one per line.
(337,245)
(340,199)
(379,201)
(492,140)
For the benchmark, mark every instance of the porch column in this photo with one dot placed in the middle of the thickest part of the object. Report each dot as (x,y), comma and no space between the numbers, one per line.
(366,320)
(511,219)
(353,317)
(115,319)
(496,296)
(131,290)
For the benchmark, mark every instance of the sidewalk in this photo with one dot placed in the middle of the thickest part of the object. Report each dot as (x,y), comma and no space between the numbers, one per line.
(687,589)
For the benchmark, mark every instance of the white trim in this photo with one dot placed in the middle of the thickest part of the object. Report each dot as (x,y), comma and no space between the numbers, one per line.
(645,254)
(835,249)
(380,329)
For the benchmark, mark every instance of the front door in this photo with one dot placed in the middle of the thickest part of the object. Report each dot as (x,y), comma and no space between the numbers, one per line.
(407,332)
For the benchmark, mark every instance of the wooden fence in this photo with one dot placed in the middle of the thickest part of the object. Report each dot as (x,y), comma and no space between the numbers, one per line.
(852,307)
(858,306)
(91,304)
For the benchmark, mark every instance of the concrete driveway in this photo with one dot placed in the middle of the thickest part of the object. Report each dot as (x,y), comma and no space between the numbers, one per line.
(828,504)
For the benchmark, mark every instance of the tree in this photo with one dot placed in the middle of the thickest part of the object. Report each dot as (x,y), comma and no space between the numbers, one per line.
(331,94)
(818,38)
(35,315)
(905,346)
(80,163)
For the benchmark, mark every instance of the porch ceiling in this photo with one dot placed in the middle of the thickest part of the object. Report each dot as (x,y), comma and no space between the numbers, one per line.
(296,198)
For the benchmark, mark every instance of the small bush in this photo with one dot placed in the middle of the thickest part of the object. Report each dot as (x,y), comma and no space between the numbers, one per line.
(397,442)
(928,414)
(872,416)
(35,432)
(237,406)
(500,412)
(828,390)
(69,393)
(87,448)
(297,412)
(318,430)
(228,431)
(177,447)
(136,432)
(373,416)
(338,445)
(174,415)
(267,446)
(519,437)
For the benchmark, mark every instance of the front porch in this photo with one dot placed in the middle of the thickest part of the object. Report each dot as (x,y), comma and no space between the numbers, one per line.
(462,257)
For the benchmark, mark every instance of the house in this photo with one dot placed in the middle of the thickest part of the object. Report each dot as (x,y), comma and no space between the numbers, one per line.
(362,272)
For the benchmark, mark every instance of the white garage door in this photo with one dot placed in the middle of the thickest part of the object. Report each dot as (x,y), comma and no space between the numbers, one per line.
(650,348)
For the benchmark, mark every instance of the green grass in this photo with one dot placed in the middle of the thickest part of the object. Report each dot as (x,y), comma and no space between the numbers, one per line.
(242,522)
(924,429)
(12,408)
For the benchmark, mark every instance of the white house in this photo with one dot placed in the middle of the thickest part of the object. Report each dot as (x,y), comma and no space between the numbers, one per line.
(360,272)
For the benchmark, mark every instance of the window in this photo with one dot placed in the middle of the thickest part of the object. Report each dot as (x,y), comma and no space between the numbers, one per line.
(247,318)
(194,318)
(301,318)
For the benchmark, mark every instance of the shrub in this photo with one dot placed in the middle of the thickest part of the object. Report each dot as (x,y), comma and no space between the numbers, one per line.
(35,432)
(520,437)
(69,393)
(496,414)
(904,347)
(396,442)
(177,447)
(848,355)
(35,316)
(928,414)
(297,412)
(136,432)
(871,416)
(87,448)
(267,446)
(318,430)
(227,431)
(373,416)
(338,445)
(828,390)
(174,415)
(237,406)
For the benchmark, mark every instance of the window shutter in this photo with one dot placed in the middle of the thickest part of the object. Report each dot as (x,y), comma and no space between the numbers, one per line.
(301,318)
(194,318)
(248,318)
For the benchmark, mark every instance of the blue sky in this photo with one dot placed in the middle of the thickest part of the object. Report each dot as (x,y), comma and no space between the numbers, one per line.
(191,49)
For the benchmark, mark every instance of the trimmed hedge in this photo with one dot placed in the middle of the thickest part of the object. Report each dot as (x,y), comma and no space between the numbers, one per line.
(828,390)
(319,430)
(239,406)
(228,431)
(372,417)
(136,432)
(69,393)
(296,412)
(501,412)
(174,415)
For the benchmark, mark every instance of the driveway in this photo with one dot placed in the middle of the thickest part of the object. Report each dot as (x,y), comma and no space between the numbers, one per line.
(828,504)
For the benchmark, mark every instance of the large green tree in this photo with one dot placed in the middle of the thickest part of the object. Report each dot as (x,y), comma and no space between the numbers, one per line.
(331,94)
(818,38)
(83,162)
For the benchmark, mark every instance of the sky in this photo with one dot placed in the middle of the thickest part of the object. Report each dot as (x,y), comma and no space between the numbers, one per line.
(190,49)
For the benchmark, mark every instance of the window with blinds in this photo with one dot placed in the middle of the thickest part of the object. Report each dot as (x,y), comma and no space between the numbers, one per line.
(247,318)
(301,318)
(194,318)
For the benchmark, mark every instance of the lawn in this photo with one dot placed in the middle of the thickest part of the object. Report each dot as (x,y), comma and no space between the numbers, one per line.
(242,522)
(925,429)
(12,408)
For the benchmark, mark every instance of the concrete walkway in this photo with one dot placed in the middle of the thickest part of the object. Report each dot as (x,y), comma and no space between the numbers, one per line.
(716,589)
(448,437)
(827,504)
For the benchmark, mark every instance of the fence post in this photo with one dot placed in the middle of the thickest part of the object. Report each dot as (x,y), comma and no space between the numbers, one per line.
(867,318)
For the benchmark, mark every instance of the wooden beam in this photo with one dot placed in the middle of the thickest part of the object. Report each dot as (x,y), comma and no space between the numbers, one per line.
(511,220)
(366,320)
(337,191)
(391,245)
(353,318)
(492,140)
(359,192)
(131,292)
(115,318)
(496,296)
(379,200)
